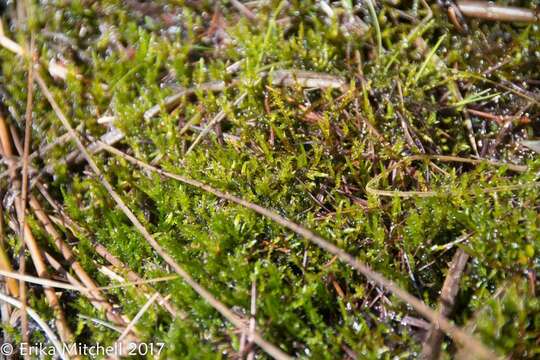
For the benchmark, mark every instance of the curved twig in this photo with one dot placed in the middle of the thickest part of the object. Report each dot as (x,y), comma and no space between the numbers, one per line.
(370,187)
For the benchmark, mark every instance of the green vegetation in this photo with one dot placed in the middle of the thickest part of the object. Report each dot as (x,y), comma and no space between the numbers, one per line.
(414,86)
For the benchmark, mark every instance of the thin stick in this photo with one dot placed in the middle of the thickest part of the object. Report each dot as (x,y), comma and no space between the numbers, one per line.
(24,190)
(31,243)
(42,324)
(134,278)
(370,187)
(454,332)
(69,256)
(244,10)
(432,345)
(137,317)
(5,264)
(100,322)
(490,11)
(205,294)
(76,285)
(220,116)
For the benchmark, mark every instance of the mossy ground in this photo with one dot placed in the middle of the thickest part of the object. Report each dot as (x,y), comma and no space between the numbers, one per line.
(307,154)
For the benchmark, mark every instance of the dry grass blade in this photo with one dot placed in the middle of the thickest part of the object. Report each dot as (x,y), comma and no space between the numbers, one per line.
(306,79)
(141,282)
(24,190)
(534,145)
(100,322)
(42,324)
(137,317)
(43,281)
(454,332)
(252,321)
(136,279)
(62,285)
(205,294)
(10,44)
(173,100)
(370,187)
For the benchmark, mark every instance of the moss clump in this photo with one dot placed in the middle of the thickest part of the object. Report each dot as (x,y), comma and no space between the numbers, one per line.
(307,154)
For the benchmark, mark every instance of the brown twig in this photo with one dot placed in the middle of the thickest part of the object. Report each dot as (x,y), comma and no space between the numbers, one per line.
(31,243)
(134,277)
(491,11)
(432,345)
(70,278)
(24,190)
(68,255)
(244,10)
(5,263)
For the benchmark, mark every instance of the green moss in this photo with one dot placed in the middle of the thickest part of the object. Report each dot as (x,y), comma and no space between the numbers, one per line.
(307,154)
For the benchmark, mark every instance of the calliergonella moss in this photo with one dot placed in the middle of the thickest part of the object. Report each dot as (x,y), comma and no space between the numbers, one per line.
(307,153)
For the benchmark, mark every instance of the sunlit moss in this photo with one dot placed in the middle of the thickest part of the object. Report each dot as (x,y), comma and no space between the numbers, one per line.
(307,154)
